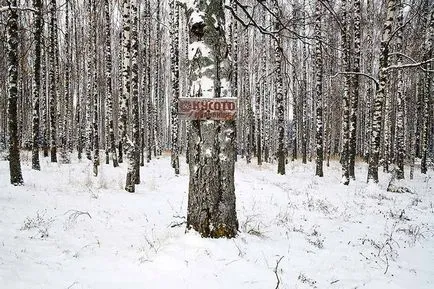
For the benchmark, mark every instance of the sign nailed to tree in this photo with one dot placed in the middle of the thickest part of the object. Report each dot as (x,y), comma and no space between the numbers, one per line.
(195,108)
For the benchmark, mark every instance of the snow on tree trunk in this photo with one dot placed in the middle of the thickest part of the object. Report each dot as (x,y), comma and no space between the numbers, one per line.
(427,92)
(303,93)
(64,119)
(53,81)
(346,97)
(111,146)
(354,101)
(44,105)
(149,114)
(158,82)
(247,102)
(174,59)
(125,60)
(127,144)
(37,4)
(280,106)
(135,162)
(318,92)
(234,58)
(89,54)
(374,152)
(400,145)
(95,100)
(12,54)
(211,200)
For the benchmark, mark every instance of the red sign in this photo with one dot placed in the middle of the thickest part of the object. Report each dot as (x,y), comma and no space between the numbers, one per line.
(196,108)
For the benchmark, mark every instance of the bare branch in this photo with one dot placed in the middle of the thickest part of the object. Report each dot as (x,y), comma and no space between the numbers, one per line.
(411,65)
(7,8)
(275,272)
(357,73)
(252,22)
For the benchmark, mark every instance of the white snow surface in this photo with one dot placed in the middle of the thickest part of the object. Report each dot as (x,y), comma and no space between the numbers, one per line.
(67,229)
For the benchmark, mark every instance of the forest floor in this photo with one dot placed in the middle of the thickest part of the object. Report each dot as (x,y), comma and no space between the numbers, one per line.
(65,229)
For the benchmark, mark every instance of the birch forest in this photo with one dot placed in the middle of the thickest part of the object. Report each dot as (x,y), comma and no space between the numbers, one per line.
(316,81)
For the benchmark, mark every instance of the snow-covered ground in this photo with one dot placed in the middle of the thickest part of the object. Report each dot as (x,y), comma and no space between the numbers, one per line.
(67,229)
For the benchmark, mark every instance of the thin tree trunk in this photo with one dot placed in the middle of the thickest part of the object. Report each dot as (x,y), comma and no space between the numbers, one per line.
(346,98)
(111,145)
(354,101)
(400,145)
(175,83)
(318,92)
(374,153)
(12,52)
(53,81)
(280,107)
(37,4)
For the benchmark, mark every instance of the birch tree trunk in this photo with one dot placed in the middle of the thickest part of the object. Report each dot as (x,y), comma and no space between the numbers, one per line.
(318,92)
(53,63)
(111,145)
(400,145)
(125,60)
(174,57)
(95,102)
(37,4)
(346,98)
(354,101)
(374,153)
(64,119)
(135,104)
(427,92)
(211,199)
(12,52)
(280,106)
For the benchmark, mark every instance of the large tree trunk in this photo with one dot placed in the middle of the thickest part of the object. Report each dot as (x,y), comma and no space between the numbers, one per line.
(211,199)
(12,51)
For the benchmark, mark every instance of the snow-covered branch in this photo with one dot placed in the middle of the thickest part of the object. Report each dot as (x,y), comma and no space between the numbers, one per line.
(7,8)
(357,73)
(411,65)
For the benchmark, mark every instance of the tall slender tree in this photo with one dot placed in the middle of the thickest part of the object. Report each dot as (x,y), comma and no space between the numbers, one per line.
(354,100)
(37,4)
(12,52)
(280,106)
(53,80)
(174,59)
(374,153)
(110,143)
(400,154)
(318,91)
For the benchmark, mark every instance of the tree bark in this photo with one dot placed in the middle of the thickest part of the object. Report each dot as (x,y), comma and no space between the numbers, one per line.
(12,52)
(374,152)
(211,200)
(318,92)
(37,4)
